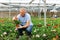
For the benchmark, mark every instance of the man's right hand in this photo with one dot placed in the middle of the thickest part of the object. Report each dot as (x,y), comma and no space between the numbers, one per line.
(15,18)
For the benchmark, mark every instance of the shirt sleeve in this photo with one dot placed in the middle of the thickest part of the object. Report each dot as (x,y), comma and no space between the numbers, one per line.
(28,18)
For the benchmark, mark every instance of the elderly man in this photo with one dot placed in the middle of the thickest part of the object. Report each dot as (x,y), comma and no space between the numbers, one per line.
(26,24)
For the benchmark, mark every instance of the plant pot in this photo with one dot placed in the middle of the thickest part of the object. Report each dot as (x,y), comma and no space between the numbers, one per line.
(17,25)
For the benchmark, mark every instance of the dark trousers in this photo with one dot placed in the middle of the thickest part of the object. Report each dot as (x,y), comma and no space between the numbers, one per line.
(28,31)
(20,32)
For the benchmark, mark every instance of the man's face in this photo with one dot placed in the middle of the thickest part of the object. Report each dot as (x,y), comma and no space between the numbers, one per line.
(22,12)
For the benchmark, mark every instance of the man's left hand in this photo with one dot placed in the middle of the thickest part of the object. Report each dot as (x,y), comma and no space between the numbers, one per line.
(20,26)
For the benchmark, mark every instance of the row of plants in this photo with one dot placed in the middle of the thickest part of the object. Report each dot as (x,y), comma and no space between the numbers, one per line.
(40,32)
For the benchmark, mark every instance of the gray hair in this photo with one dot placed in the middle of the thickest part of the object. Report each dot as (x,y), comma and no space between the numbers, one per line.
(23,9)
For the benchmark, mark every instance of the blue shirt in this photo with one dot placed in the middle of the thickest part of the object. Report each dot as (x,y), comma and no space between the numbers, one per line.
(24,19)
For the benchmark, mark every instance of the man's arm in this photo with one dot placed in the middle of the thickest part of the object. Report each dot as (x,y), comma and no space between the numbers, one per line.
(16,17)
(27,24)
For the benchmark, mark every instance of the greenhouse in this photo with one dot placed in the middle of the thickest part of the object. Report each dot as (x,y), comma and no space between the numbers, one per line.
(45,16)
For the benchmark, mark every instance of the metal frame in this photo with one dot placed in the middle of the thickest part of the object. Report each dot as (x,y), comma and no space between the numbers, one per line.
(29,4)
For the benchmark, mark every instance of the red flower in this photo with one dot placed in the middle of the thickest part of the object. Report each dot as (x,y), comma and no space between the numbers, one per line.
(39,25)
(1,20)
(55,26)
(48,24)
(57,36)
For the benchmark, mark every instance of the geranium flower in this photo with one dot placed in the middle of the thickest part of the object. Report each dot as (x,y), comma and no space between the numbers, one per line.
(33,36)
(4,33)
(35,30)
(37,35)
(48,24)
(10,30)
(44,35)
(55,26)
(53,30)
(2,21)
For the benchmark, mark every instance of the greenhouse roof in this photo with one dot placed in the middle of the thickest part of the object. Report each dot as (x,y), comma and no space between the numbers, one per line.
(18,3)
(27,1)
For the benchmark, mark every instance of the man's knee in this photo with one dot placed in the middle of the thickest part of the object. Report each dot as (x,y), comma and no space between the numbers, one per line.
(29,29)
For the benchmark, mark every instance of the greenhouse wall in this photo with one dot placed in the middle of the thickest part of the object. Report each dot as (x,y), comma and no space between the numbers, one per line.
(5,14)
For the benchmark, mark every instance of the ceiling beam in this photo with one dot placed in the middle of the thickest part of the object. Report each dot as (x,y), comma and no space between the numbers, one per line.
(31,1)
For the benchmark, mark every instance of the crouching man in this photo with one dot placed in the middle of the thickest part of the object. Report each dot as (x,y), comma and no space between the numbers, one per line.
(26,24)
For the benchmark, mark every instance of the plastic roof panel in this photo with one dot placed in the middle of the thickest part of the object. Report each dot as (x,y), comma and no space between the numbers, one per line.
(27,1)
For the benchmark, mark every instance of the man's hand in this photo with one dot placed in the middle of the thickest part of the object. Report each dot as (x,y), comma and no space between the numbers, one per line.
(15,18)
(20,26)
(27,24)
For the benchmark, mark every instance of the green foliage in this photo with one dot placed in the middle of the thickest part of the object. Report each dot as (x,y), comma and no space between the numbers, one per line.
(38,32)
(16,22)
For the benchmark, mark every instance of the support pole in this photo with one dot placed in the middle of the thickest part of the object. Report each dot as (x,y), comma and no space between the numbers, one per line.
(44,12)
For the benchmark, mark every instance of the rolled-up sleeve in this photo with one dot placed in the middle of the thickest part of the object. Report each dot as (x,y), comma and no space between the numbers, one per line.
(28,18)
